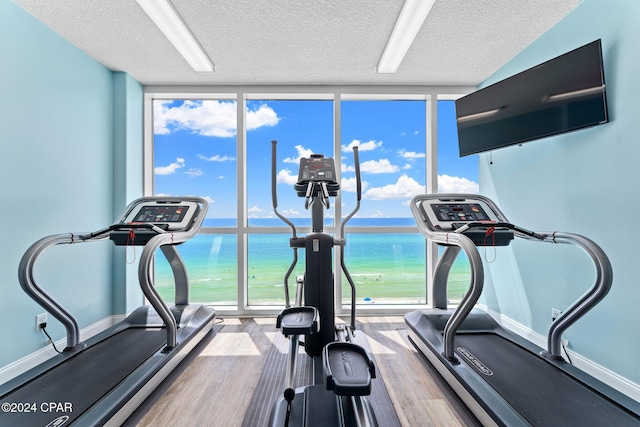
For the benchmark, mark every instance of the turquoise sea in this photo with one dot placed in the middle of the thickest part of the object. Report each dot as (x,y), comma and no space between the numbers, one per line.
(386,268)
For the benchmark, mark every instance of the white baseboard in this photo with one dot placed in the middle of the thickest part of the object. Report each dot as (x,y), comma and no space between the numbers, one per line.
(32,360)
(612,379)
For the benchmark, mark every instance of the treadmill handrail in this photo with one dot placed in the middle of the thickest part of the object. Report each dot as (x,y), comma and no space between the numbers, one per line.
(599,289)
(46,301)
(477,276)
(588,300)
(180,274)
(39,295)
(145,275)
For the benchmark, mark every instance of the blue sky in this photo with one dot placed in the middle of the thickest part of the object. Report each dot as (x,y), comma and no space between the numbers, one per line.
(195,152)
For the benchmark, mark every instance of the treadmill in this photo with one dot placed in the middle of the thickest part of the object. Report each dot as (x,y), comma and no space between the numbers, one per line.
(504,379)
(102,380)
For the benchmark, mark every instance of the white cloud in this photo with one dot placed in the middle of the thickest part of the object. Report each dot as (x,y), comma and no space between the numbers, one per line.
(412,155)
(378,166)
(362,146)
(302,152)
(193,172)
(255,209)
(169,169)
(209,199)
(345,168)
(290,212)
(263,116)
(455,184)
(161,117)
(285,177)
(405,188)
(216,158)
(208,117)
(349,185)
(377,214)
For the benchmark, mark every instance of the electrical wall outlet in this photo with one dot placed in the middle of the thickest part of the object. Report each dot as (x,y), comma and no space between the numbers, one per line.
(40,319)
(555,313)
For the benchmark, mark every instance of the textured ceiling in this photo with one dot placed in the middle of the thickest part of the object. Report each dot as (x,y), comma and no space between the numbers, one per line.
(291,42)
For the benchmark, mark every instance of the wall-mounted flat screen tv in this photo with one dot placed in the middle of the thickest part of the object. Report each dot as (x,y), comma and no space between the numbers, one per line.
(564,94)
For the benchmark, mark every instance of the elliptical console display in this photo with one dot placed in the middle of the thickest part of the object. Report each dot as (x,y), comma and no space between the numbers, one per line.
(317,169)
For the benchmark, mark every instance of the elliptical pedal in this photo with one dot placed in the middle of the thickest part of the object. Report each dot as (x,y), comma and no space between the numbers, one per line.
(298,321)
(348,369)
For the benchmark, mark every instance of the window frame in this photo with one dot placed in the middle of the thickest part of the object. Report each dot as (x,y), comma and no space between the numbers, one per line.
(241,94)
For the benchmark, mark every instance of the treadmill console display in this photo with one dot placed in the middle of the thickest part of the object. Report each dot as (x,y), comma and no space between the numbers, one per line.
(168,215)
(459,212)
(161,214)
(450,214)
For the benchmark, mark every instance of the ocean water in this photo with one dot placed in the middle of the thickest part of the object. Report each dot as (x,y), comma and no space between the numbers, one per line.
(386,268)
(306,222)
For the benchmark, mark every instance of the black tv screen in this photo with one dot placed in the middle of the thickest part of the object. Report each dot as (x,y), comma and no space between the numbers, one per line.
(563,94)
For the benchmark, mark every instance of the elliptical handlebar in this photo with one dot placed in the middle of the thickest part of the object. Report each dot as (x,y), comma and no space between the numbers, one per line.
(274,190)
(312,189)
(274,199)
(274,177)
(356,160)
(342,241)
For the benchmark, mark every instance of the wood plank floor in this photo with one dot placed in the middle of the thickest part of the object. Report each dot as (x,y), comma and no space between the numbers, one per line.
(215,383)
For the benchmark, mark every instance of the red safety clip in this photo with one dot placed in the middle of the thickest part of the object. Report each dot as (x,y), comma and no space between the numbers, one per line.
(490,232)
(130,242)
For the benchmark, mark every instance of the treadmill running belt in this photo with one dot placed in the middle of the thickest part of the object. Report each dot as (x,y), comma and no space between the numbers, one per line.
(540,392)
(84,378)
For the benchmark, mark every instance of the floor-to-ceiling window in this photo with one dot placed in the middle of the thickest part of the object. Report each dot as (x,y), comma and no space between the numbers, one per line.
(301,127)
(194,153)
(219,148)
(386,260)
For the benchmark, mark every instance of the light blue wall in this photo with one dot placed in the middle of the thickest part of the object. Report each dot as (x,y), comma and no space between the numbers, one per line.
(128,155)
(57,175)
(584,182)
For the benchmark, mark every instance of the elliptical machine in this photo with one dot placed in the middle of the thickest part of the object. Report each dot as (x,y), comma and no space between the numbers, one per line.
(342,368)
